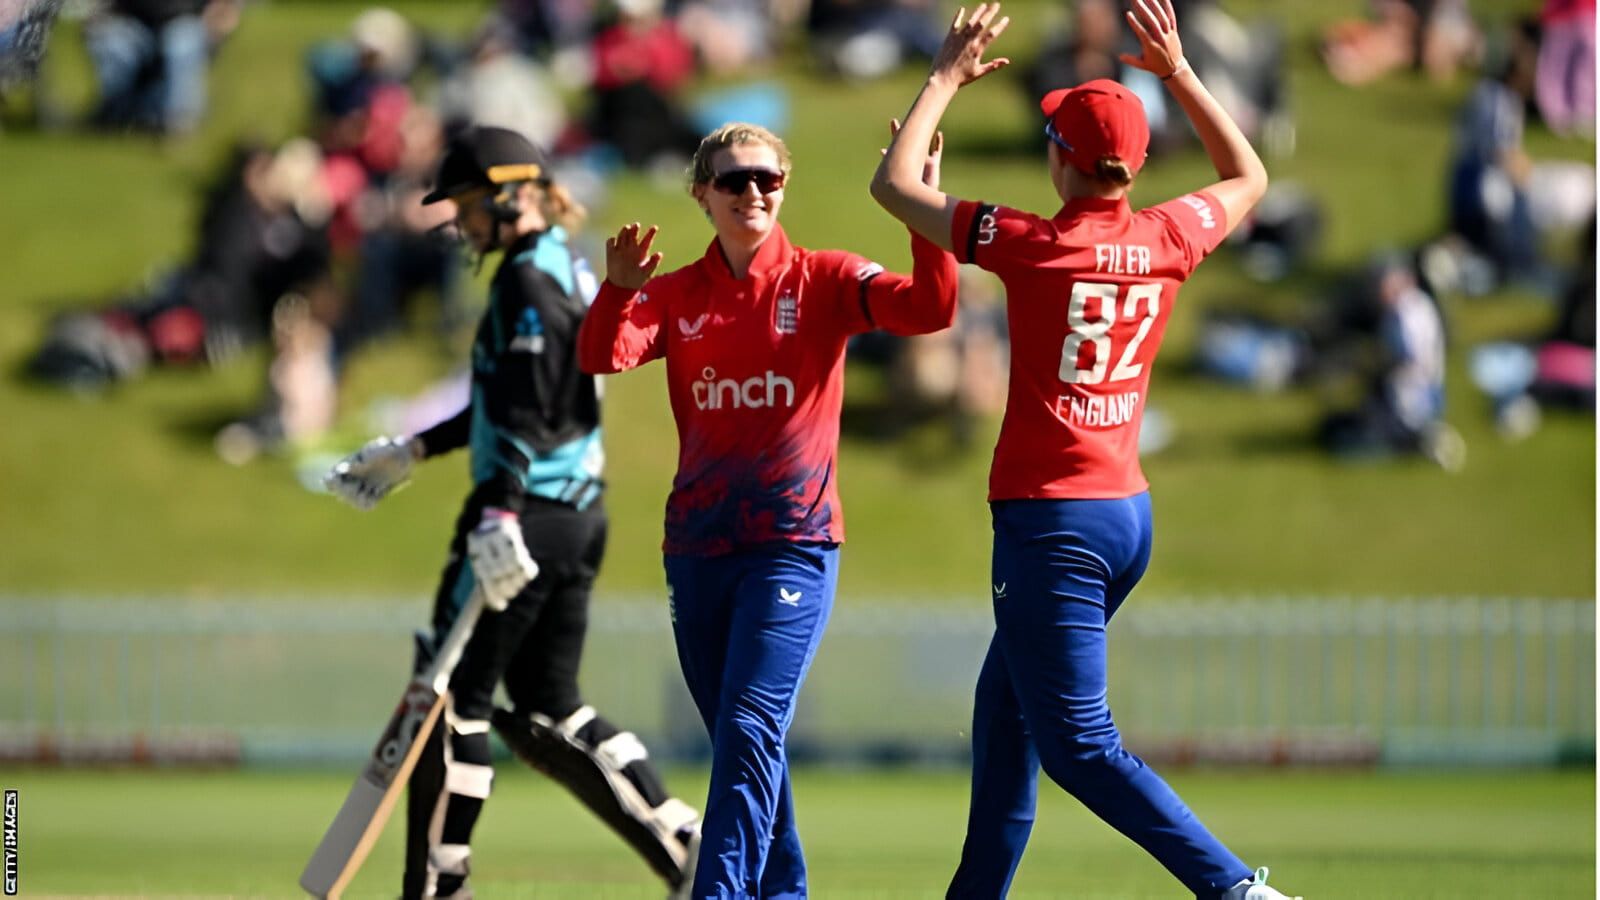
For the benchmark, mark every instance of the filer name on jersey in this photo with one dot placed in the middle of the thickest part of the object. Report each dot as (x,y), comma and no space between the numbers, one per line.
(1122,259)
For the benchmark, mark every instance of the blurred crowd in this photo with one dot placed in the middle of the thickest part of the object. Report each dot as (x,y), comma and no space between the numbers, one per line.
(1378,340)
(317,246)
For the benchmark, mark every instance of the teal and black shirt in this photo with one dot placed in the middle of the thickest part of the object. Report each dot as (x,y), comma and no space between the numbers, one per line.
(533,423)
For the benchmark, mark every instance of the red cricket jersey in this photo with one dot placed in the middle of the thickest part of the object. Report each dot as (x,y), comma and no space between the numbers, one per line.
(755,374)
(1088,294)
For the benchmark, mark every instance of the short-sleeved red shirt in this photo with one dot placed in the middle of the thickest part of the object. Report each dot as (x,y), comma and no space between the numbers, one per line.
(755,373)
(1088,294)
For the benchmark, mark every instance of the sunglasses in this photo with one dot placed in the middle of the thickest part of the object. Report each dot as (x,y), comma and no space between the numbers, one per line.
(1054,135)
(735,181)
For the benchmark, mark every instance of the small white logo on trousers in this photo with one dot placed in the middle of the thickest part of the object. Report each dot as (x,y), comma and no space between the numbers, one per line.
(1000,591)
(788,598)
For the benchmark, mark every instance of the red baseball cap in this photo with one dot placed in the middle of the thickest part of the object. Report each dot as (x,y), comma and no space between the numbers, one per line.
(1097,118)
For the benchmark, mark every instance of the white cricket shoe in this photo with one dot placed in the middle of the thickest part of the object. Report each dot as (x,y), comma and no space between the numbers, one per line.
(1256,889)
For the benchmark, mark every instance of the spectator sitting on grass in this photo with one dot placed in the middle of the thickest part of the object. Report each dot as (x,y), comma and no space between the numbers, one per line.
(866,39)
(261,237)
(641,64)
(150,59)
(1403,410)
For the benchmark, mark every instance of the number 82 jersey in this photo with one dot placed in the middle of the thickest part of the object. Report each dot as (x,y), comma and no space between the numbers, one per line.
(1088,294)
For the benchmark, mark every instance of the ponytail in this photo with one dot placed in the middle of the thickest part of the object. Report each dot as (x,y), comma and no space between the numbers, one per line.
(1113,170)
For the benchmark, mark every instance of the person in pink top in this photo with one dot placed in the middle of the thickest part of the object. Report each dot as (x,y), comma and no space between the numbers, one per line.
(753,334)
(1089,292)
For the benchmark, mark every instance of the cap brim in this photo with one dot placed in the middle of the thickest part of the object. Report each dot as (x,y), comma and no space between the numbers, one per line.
(449,191)
(1049,103)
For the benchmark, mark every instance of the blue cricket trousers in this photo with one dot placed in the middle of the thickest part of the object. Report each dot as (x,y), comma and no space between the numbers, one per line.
(747,625)
(1061,568)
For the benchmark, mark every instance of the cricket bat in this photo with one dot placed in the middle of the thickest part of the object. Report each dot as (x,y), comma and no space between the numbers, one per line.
(366,808)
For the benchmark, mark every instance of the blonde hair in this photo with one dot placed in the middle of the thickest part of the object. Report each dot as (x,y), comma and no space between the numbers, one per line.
(557,204)
(561,208)
(1113,170)
(730,135)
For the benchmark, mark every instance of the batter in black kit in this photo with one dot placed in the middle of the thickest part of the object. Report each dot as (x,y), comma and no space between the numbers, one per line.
(530,536)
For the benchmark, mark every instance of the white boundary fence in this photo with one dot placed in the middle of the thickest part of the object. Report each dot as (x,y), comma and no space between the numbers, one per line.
(1293,679)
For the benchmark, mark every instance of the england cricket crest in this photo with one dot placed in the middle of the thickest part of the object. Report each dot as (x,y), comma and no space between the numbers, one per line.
(786,317)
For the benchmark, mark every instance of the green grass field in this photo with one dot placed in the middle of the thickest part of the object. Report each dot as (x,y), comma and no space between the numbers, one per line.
(1244,501)
(867,834)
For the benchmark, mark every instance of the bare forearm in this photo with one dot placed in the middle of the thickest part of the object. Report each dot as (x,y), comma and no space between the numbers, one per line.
(1242,179)
(898,184)
(1230,151)
(908,151)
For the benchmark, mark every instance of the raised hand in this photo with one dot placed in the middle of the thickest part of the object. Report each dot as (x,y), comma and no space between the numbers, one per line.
(961,57)
(629,262)
(930,168)
(1156,26)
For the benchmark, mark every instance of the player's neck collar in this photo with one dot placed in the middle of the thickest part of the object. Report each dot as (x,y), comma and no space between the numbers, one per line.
(1077,206)
(769,256)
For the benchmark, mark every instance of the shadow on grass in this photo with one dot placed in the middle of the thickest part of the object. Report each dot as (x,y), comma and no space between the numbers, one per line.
(930,440)
(200,426)
(1274,442)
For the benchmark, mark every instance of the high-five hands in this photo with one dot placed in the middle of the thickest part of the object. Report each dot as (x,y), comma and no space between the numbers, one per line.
(961,57)
(629,262)
(1156,26)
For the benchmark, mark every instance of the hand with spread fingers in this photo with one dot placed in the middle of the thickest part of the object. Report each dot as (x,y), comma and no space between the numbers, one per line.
(961,57)
(629,262)
(1156,26)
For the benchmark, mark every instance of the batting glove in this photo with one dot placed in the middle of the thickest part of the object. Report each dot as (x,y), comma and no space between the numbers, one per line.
(369,474)
(500,559)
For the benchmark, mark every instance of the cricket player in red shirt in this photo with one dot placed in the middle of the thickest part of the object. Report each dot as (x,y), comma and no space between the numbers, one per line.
(753,334)
(1088,294)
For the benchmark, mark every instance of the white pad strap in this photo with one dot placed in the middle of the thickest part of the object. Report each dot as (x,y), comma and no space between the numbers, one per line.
(465,726)
(469,779)
(450,859)
(620,749)
(580,717)
(673,814)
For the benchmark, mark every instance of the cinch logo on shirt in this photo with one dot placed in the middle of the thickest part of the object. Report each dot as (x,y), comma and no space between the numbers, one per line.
(988,228)
(756,392)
